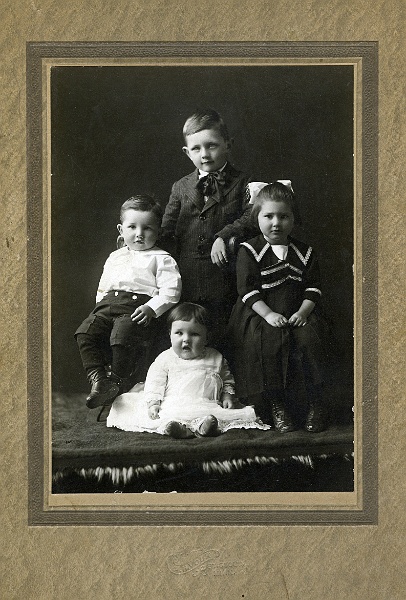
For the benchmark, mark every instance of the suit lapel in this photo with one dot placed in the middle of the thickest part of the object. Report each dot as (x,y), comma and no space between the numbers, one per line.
(192,192)
(210,202)
(232,178)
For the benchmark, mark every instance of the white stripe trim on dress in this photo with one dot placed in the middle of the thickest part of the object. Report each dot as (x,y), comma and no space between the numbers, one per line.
(279,267)
(273,269)
(280,281)
(304,259)
(313,290)
(295,269)
(245,298)
(254,252)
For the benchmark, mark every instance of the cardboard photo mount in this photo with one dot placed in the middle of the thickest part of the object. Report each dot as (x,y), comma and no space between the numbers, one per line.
(348,508)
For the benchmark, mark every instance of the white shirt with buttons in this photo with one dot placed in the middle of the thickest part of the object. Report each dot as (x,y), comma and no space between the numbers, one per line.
(152,272)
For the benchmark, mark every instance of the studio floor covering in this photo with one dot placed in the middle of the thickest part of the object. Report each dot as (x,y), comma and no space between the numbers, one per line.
(88,457)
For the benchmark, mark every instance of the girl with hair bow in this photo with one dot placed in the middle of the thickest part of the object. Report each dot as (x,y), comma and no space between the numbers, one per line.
(277,320)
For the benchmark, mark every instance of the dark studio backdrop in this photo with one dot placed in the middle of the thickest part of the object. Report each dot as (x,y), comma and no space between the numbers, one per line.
(117,131)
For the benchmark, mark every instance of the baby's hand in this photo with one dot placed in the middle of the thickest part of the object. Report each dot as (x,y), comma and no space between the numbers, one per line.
(276,320)
(227,400)
(219,252)
(297,320)
(143,315)
(153,412)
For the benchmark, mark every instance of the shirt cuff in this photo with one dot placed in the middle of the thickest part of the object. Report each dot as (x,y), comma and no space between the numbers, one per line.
(160,305)
(154,401)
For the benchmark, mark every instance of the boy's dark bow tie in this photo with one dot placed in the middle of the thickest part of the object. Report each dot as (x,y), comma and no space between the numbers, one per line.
(211,183)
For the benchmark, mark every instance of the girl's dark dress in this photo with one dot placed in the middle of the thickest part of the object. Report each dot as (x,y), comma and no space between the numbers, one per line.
(262,352)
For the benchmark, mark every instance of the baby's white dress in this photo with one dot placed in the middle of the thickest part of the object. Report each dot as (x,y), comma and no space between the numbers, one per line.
(187,391)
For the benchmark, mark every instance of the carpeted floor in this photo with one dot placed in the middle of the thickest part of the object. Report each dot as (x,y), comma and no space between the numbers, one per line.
(88,457)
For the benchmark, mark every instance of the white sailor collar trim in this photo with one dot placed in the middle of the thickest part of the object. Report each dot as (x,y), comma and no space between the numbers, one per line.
(257,255)
(304,259)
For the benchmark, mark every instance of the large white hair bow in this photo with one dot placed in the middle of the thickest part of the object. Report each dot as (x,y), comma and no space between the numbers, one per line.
(256,186)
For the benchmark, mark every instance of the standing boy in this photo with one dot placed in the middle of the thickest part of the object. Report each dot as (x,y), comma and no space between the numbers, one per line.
(204,211)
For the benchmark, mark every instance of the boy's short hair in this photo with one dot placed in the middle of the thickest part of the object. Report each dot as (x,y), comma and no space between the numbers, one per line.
(276,191)
(189,311)
(143,203)
(205,118)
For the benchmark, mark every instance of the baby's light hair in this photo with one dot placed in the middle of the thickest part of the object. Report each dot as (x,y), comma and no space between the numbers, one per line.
(205,118)
(277,192)
(142,203)
(189,311)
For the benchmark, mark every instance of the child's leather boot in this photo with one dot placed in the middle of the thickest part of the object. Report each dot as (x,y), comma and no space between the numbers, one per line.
(103,391)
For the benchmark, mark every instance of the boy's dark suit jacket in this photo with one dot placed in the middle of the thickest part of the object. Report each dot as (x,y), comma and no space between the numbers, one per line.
(195,225)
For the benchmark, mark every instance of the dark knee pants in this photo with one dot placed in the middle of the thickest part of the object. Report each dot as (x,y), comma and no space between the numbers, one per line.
(109,327)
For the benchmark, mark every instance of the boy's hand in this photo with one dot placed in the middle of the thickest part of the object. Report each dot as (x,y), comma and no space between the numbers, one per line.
(143,315)
(276,320)
(219,252)
(153,412)
(297,320)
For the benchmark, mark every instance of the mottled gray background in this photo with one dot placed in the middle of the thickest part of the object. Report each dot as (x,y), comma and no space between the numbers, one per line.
(117,131)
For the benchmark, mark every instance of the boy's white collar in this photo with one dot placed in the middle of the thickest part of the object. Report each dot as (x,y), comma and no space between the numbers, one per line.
(153,250)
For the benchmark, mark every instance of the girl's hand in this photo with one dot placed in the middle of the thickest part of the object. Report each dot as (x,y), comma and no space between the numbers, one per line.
(276,320)
(143,315)
(297,320)
(219,252)
(227,400)
(153,412)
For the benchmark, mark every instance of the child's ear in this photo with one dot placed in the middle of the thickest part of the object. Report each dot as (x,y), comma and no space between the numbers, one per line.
(185,149)
(120,229)
(230,143)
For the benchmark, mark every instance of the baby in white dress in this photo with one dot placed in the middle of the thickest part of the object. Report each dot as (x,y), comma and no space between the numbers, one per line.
(189,389)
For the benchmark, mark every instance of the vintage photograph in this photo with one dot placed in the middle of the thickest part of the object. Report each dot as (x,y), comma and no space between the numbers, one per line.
(202,277)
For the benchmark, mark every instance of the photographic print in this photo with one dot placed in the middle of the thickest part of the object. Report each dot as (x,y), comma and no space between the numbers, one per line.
(288,426)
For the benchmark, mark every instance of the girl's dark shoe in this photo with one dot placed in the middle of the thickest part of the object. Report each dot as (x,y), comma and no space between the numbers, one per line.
(316,418)
(281,418)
